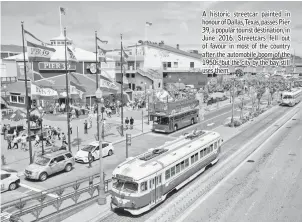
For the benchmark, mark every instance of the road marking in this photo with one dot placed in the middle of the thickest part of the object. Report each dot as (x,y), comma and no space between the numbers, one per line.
(251,207)
(210,124)
(299,138)
(37,190)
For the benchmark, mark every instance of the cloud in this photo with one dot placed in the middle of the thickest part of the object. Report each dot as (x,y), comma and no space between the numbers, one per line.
(298,27)
(184,26)
(167,34)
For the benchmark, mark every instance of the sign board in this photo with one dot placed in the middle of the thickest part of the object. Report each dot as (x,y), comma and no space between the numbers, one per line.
(36,90)
(128,139)
(56,66)
(107,84)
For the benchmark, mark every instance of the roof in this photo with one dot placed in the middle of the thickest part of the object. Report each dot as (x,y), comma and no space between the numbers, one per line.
(174,50)
(18,87)
(50,155)
(11,48)
(141,167)
(61,37)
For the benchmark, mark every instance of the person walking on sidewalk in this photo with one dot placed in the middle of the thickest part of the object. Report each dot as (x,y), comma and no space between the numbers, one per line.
(131,123)
(85,127)
(37,140)
(127,122)
(15,142)
(64,140)
(9,142)
(23,142)
(90,158)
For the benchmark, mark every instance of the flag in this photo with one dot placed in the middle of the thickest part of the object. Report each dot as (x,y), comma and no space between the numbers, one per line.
(102,54)
(39,53)
(63,11)
(105,42)
(124,57)
(70,56)
(148,23)
(31,35)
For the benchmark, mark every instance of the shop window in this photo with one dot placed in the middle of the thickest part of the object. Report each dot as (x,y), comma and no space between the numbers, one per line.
(133,75)
(14,99)
(169,65)
(21,99)
(133,86)
(129,84)
(175,64)
(191,64)
(127,75)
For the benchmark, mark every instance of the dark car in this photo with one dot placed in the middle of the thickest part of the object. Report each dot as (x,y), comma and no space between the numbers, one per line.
(211,101)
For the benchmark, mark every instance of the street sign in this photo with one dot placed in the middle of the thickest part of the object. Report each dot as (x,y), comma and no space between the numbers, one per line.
(128,139)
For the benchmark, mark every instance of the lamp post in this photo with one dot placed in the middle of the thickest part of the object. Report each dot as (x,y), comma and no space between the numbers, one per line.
(101,198)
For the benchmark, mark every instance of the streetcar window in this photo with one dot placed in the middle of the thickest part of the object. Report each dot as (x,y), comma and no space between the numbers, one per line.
(196,157)
(126,186)
(182,164)
(187,162)
(150,184)
(159,178)
(177,168)
(201,153)
(167,175)
(172,171)
(211,148)
(208,150)
(192,159)
(215,145)
(144,186)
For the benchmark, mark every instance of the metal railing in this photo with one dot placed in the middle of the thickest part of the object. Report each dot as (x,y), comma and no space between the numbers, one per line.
(30,208)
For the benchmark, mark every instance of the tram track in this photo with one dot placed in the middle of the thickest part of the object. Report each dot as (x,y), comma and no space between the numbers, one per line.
(229,148)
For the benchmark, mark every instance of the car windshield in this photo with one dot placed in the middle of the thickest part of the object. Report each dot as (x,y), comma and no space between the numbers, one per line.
(125,185)
(161,120)
(41,160)
(287,97)
(88,148)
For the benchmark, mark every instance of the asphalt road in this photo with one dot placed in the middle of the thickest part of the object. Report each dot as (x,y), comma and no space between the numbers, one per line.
(268,187)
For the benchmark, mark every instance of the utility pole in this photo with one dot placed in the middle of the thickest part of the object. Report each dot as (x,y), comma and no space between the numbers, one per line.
(122,83)
(97,81)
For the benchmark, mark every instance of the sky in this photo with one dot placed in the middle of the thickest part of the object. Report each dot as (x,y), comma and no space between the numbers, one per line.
(173,22)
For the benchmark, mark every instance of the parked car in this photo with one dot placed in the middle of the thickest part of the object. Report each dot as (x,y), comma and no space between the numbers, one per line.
(9,180)
(48,164)
(211,101)
(82,155)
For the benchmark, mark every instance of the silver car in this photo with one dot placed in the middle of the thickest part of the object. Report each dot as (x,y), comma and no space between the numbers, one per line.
(49,164)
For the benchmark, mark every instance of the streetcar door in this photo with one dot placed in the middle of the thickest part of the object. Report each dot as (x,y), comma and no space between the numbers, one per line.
(152,190)
(159,187)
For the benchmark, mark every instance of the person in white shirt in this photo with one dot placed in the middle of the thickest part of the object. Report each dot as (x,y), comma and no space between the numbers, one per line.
(23,142)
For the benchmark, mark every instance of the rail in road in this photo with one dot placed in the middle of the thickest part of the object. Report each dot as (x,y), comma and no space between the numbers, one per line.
(51,201)
(196,187)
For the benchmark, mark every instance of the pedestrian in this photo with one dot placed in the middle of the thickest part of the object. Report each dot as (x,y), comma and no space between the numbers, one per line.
(9,142)
(70,127)
(59,133)
(77,113)
(15,133)
(64,139)
(37,140)
(131,122)
(15,142)
(23,142)
(85,127)
(90,158)
(48,141)
(127,122)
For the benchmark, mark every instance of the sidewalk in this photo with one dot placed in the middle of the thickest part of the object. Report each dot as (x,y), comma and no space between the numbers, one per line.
(18,160)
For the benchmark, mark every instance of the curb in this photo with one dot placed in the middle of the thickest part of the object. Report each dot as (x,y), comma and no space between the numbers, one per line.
(134,136)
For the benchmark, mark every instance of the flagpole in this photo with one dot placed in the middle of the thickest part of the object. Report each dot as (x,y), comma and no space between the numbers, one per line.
(135,56)
(122,83)
(145,32)
(67,93)
(97,80)
(60,19)
(26,100)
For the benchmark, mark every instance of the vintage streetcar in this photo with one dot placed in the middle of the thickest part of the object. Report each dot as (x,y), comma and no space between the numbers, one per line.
(142,182)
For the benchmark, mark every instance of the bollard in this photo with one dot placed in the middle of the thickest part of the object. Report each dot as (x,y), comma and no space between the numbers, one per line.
(3,161)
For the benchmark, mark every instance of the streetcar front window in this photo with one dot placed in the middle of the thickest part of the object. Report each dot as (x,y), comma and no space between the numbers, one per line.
(125,185)
(287,97)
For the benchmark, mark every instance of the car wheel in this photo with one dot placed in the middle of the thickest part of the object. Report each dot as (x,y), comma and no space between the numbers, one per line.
(68,167)
(12,186)
(110,152)
(43,176)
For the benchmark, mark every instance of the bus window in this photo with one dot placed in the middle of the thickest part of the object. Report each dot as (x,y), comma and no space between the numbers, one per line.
(161,120)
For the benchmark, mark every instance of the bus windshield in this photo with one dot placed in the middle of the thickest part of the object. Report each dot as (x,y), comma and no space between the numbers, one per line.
(287,97)
(125,185)
(161,120)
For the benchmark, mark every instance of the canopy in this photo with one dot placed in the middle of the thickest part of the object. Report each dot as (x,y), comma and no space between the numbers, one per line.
(17,115)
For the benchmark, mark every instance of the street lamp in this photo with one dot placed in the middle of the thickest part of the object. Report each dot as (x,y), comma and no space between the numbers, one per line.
(101,197)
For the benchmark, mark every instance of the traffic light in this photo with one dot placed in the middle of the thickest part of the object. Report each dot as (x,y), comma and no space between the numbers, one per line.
(34,103)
